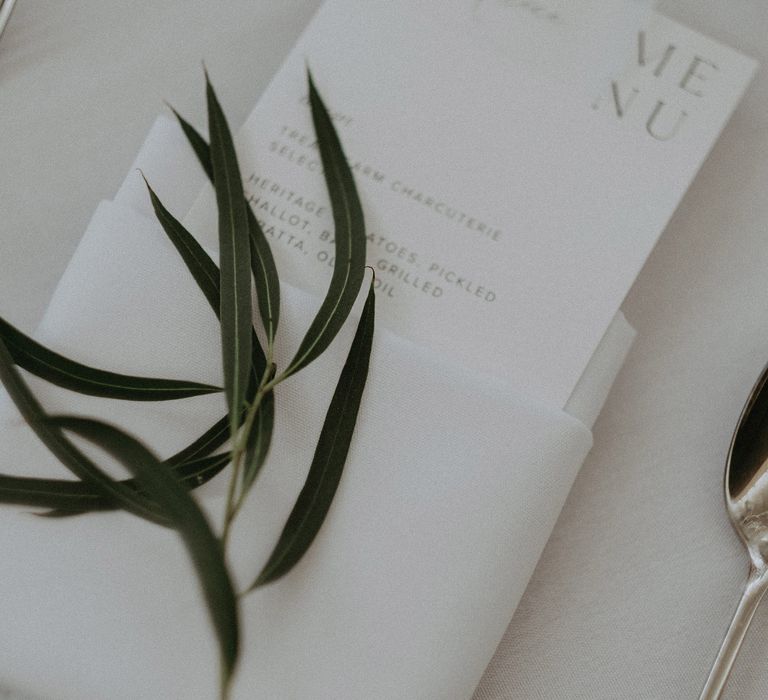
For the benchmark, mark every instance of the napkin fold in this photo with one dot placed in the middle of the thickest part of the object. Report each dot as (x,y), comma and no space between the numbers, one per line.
(454,482)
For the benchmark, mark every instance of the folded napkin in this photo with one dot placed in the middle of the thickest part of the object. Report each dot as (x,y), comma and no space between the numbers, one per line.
(453,484)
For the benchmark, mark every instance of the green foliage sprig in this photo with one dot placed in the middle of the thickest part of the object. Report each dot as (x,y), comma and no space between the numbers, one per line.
(159,490)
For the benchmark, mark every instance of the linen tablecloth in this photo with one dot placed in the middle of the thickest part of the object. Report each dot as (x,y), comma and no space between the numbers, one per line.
(637,584)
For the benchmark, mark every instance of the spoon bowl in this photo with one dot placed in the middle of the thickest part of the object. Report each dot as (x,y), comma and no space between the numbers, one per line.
(746,500)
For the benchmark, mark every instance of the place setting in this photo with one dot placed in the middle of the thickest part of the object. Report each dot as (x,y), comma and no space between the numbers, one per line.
(389,385)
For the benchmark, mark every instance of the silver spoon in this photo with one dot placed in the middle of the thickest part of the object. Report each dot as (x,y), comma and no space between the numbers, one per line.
(746,500)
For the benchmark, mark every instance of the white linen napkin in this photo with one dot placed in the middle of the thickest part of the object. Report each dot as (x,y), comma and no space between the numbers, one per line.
(452,487)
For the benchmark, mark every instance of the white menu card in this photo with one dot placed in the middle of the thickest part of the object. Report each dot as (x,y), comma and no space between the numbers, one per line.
(508,214)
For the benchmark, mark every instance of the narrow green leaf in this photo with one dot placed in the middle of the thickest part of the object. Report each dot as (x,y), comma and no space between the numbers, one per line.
(208,442)
(59,370)
(235,255)
(199,144)
(258,442)
(198,262)
(262,261)
(350,240)
(199,471)
(63,449)
(324,475)
(203,546)
(203,269)
(193,464)
(68,497)
(265,275)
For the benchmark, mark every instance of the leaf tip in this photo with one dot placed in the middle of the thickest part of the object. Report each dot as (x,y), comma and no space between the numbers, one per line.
(210,92)
(313,93)
(172,108)
(152,196)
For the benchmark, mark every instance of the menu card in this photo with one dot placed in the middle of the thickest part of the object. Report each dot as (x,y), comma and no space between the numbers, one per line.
(507,214)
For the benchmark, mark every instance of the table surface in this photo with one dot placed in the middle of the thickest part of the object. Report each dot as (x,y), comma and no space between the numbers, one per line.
(638,582)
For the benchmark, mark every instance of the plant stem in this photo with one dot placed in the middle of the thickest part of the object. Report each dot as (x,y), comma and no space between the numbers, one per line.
(224,683)
(230,497)
(238,452)
(234,501)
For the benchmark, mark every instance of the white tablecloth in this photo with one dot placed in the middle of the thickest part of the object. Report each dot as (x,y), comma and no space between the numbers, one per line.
(638,582)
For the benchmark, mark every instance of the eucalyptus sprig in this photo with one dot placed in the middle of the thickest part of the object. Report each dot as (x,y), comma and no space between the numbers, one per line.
(159,490)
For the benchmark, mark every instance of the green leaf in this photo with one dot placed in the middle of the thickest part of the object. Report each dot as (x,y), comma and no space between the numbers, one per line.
(198,262)
(265,275)
(66,373)
(258,442)
(235,255)
(199,471)
(192,464)
(68,497)
(63,449)
(324,475)
(203,269)
(208,442)
(350,240)
(185,516)
(199,144)
(51,493)
(262,261)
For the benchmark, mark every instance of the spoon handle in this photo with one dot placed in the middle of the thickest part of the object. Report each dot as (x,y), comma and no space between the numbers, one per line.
(757,584)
